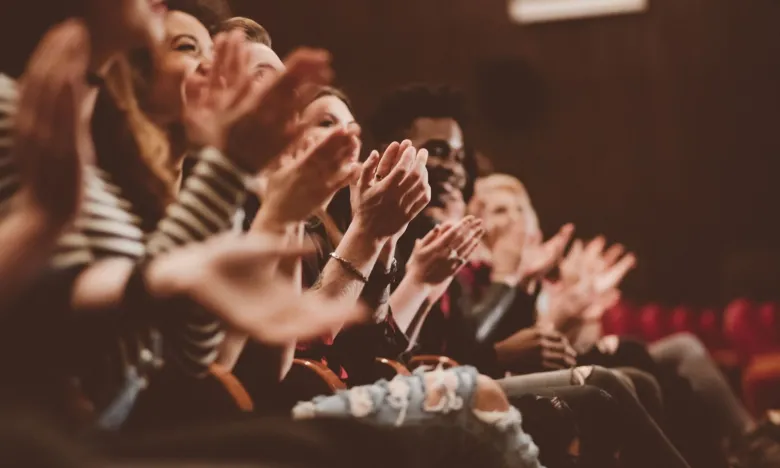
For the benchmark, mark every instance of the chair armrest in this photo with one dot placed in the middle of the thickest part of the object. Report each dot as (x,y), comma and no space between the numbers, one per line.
(393,366)
(432,360)
(233,386)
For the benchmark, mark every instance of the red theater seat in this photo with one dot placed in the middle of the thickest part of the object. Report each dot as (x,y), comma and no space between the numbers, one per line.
(709,329)
(619,320)
(653,322)
(740,327)
(683,319)
(761,383)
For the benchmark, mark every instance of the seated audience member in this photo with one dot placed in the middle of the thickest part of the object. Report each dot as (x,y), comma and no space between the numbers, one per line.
(93,263)
(204,272)
(432,118)
(587,285)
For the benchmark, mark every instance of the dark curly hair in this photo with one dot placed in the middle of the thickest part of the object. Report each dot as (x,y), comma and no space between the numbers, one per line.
(396,113)
(212,13)
(399,109)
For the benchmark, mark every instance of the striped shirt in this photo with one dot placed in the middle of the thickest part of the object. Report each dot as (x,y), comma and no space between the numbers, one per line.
(108,227)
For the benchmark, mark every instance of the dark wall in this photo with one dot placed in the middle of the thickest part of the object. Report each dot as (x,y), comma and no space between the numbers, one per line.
(658,130)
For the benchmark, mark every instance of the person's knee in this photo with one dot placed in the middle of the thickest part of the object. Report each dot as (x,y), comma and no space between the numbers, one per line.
(683,344)
(604,379)
(489,395)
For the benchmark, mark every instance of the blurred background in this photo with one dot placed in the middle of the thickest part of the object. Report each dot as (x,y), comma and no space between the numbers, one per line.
(657,129)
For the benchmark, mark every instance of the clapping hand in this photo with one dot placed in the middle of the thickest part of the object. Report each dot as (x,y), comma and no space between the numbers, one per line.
(536,349)
(439,255)
(539,258)
(52,140)
(305,182)
(230,276)
(391,191)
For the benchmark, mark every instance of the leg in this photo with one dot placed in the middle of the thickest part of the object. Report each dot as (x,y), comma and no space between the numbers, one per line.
(458,397)
(689,358)
(647,390)
(649,443)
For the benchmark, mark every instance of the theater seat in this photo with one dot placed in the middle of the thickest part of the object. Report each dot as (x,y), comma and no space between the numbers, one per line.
(233,387)
(432,361)
(761,383)
(387,368)
(653,322)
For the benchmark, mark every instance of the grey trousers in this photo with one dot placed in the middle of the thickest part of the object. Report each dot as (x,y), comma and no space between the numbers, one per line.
(645,444)
(686,354)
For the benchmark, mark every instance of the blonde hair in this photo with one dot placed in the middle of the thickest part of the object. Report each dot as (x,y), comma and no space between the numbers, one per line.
(485,186)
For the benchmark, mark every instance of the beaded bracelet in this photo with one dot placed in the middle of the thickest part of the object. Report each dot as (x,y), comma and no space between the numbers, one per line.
(349,267)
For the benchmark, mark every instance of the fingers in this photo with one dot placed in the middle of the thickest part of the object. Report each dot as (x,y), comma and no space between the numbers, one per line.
(450,235)
(614,275)
(306,318)
(613,253)
(388,160)
(402,169)
(280,100)
(432,235)
(473,231)
(368,170)
(221,56)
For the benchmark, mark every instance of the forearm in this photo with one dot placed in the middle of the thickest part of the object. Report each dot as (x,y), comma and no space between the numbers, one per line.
(407,300)
(231,347)
(27,241)
(337,282)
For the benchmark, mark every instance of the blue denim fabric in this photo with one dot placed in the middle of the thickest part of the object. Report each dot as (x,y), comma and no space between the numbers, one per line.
(402,402)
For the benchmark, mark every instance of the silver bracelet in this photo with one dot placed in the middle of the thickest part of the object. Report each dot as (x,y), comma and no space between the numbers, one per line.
(349,267)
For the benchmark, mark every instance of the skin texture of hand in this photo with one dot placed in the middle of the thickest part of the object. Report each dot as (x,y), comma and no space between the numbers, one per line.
(588,286)
(214,103)
(52,139)
(385,204)
(304,184)
(540,258)
(432,262)
(230,276)
(266,115)
(536,349)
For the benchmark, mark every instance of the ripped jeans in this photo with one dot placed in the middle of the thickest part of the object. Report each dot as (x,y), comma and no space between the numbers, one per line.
(430,399)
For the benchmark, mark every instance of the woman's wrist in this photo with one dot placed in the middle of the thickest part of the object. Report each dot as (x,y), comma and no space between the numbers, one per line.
(267,222)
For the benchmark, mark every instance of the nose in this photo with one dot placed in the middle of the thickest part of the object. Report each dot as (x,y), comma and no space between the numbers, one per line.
(205,66)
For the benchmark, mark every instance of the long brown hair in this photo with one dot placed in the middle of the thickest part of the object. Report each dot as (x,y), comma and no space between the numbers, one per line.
(338,215)
(133,150)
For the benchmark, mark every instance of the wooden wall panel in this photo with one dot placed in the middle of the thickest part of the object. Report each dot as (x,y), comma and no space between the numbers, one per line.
(659,129)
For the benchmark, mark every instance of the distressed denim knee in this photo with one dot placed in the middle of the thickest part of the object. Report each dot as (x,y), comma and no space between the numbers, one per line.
(458,396)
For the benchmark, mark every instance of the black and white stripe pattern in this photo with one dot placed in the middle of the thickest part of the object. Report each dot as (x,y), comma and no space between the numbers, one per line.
(107,227)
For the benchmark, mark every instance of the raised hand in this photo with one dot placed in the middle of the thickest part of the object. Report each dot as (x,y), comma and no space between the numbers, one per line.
(391,191)
(536,349)
(52,140)
(307,181)
(230,277)
(443,251)
(214,103)
(540,258)
(268,113)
